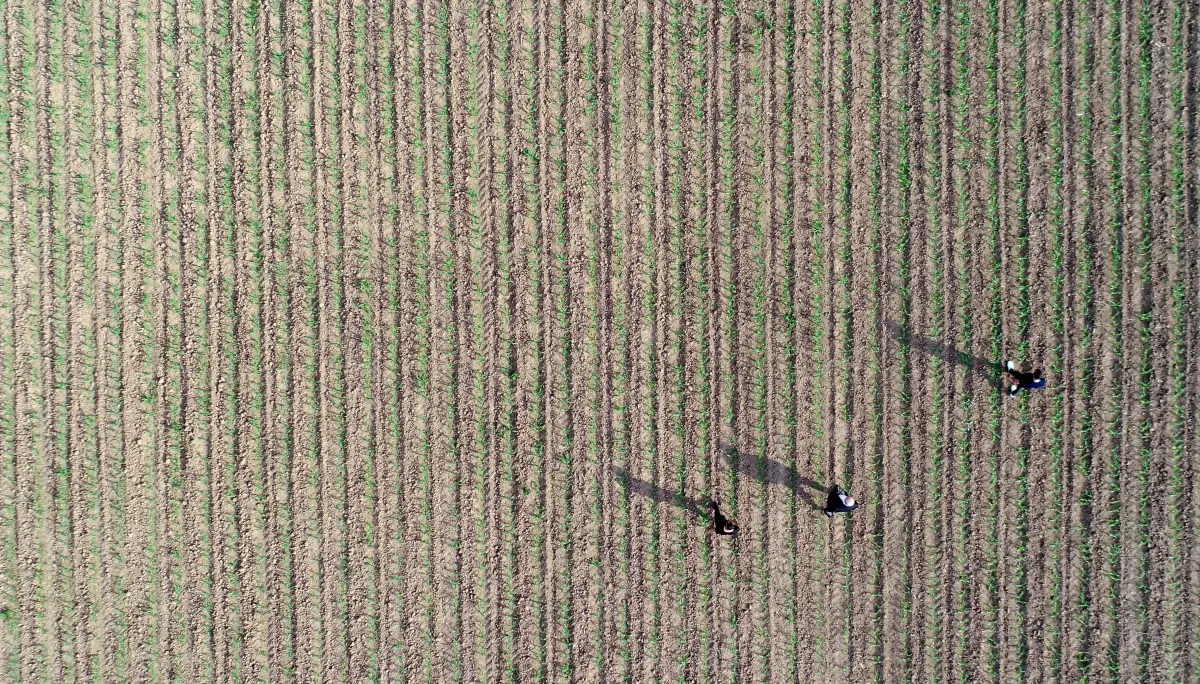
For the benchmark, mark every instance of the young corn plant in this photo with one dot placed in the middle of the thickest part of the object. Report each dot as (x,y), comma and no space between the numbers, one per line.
(480,432)
(10,621)
(114,371)
(506,326)
(1146,427)
(728,150)
(335,493)
(845,311)
(250,329)
(996,344)
(446,339)
(423,325)
(82,145)
(649,308)
(1087,298)
(58,390)
(677,213)
(759,204)
(1176,635)
(1024,316)
(621,368)
(875,412)
(592,209)
(1057,366)
(818,277)
(904,268)
(787,299)
(534,207)
(703,373)
(313,581)
(563,390)
(279,180)
(1116,426)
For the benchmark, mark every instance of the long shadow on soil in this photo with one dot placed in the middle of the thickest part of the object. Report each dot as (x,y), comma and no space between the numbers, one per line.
(660,494)
(989,369)
(776,473)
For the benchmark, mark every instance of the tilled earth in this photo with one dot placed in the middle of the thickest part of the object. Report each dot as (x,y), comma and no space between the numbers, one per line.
(354,341)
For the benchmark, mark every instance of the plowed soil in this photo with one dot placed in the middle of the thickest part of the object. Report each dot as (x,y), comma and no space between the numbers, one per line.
(410,340)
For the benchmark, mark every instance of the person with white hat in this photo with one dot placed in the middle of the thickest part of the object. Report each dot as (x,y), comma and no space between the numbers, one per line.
(839,501)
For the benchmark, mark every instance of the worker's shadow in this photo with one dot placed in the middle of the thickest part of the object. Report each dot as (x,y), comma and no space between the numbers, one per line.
(772,472)
(660,494)
(932,347)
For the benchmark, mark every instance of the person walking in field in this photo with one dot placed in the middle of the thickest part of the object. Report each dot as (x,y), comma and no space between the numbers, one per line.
(1023,381)
(721,524)
(839,501)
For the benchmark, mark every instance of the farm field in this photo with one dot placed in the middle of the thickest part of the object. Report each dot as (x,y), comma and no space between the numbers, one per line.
(408,340)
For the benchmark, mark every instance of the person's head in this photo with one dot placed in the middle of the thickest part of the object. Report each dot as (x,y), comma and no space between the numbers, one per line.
(730,527)
(1037,374)
(849,500)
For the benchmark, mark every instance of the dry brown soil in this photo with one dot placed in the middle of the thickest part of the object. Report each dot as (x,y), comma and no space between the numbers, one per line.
(409,340)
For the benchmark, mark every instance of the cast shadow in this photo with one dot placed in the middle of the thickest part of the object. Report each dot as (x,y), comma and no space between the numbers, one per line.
(776,473)
(932,347)
(660,494)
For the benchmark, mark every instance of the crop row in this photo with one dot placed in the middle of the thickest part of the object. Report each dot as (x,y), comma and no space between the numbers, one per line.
(366,249)
(480,429)
(845,306)
(1146,428)
(1087,355)
(818,277)
(280,179)
(564,385)
(1024,316)
(1056,365)
(61,551)
(593,209)
(648,307)
(787,302)
(506,361)
(876,365)
(677,219)
(9,621)
(82,213)
(758,203)
(532,259)
(1182,296)
(444,313)
(904,178)
(171,371)
(726,221)
(1115,424)
(703,373)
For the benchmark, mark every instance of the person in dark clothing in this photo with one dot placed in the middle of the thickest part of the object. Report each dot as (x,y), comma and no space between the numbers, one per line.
(839,502)
(1023,381)
(721,524)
